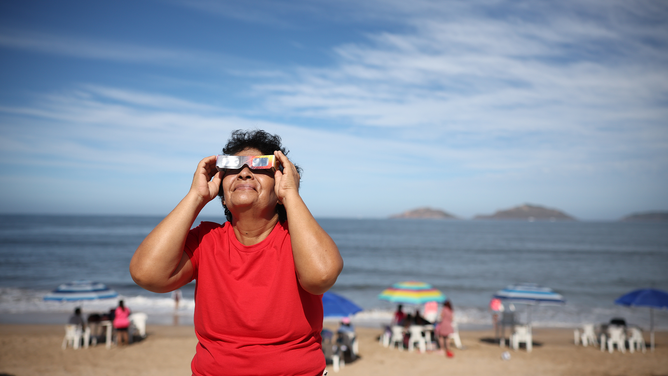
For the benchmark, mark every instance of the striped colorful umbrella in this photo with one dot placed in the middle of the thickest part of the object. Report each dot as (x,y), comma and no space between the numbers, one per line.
(529,293)
(412,292)
(81,290)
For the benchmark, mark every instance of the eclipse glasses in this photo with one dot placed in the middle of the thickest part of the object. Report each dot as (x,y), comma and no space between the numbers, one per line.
(257,162)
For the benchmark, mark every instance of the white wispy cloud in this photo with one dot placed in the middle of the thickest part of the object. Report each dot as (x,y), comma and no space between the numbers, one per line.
(576,86)
(492,102)
(98,48)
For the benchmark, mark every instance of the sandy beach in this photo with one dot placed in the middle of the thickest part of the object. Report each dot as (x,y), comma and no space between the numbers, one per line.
(35,350)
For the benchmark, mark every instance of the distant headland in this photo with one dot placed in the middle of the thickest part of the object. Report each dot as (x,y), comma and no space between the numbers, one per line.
(529,212)
(526,212)
(424,213)
(657,216)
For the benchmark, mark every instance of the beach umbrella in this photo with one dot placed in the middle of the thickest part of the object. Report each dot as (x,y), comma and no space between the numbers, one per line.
(529,294)
(334,305)
(412,292)
(651,298)
(80,290)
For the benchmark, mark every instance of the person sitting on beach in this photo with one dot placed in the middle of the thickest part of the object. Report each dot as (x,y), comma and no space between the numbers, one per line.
(419,320)
(345,338)
(122,323)
(444,328)
(399,316)
(260,275)
(346,326)
(77,319)
(406,323)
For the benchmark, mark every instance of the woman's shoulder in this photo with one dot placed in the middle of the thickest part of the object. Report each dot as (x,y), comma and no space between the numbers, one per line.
(206,227)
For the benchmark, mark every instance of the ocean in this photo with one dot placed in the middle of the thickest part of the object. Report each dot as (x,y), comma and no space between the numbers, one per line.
(589,263)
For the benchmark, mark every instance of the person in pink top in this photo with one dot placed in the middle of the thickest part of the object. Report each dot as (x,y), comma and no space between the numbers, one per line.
(260,275)
(122,323)
(444,328)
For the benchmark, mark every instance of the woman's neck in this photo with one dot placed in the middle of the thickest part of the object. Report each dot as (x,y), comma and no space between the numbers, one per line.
(252,231)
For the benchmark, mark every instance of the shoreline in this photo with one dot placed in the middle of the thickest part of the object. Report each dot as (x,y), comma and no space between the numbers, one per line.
(34,349)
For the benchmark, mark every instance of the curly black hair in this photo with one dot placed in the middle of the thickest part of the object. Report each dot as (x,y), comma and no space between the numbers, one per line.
(266,143)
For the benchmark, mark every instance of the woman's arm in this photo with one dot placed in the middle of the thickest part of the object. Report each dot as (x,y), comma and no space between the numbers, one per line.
(317,259)
(160,263)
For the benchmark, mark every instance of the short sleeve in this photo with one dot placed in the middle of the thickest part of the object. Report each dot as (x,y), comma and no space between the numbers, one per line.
(193,247)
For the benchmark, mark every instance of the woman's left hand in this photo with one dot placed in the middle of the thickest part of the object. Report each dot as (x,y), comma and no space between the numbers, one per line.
(286,182)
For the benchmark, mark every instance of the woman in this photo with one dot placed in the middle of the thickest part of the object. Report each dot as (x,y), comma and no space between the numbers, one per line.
(399,316)
(260,275)
(122,323)
(444,328)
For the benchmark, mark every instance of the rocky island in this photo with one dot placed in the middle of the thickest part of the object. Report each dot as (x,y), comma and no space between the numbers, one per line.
(529,212)
(658,216)
(424,213)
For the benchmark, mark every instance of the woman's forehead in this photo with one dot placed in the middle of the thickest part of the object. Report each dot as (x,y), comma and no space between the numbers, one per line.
(249,152)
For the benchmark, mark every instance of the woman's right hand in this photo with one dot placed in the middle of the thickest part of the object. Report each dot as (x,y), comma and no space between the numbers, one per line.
(206,181)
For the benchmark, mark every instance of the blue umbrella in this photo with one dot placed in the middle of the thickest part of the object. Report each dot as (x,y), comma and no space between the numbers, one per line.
(80,290)
(334,305)
(651,298)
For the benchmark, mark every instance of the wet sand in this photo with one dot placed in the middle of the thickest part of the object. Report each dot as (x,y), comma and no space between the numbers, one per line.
(36,350)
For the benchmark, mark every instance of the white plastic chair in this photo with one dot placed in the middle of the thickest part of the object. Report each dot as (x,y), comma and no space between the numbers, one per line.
(522,334)
(332,351)
(397,337)
(636,340)
(429,337)
(385,337)
(588,336)
(415,336)
(137,324)
(455,336)
(349,340)
(74,335)
(615,336)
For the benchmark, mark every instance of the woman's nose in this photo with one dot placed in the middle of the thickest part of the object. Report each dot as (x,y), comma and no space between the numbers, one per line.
(245,172)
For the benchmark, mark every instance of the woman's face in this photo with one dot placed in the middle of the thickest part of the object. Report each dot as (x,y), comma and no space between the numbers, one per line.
(245,189)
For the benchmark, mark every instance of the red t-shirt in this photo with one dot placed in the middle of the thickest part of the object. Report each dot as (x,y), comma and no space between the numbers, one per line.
(251,315)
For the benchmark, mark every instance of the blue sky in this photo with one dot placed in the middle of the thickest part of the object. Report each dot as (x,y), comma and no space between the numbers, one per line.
(465,106)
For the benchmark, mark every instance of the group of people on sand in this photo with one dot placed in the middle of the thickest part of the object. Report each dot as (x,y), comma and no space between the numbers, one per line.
(119,316)
(442,328)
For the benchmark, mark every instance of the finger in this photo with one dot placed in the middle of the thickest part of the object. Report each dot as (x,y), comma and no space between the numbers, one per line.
(215,183)
(283,159)
(209,164)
